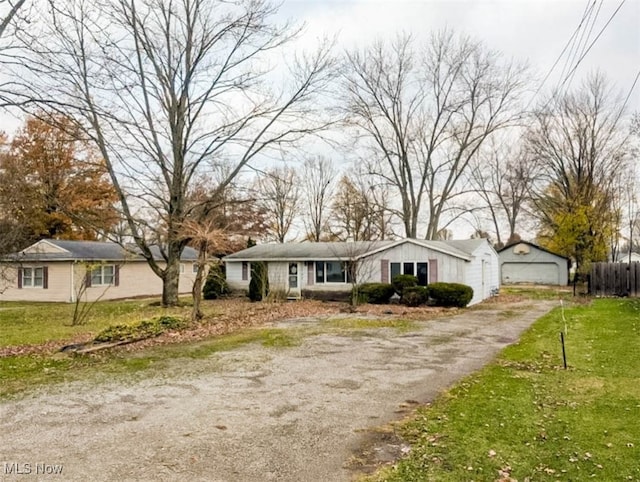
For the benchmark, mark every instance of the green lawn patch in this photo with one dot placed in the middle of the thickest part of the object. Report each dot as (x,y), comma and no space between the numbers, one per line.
(34,323)
(527,418)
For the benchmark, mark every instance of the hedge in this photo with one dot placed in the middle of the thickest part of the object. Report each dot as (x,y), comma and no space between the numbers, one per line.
(403,281)
(376,293)
(450,294)
(415,296)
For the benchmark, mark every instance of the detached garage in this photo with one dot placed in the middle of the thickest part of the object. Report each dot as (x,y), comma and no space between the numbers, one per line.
(528,263)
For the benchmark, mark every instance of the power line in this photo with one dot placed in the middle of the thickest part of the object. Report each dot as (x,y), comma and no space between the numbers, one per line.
(569,42)
(593,43)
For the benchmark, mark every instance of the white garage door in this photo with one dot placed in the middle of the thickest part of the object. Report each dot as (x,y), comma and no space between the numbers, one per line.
(541,273)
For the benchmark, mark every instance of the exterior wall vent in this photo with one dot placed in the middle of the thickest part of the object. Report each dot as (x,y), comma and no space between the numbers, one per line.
(521,249)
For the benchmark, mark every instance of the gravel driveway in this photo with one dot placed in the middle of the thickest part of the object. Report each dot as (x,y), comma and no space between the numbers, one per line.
(254,413)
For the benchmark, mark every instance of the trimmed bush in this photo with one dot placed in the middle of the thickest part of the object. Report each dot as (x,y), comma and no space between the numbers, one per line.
(376,293)
(216,284)
(259,284)
(415,295)
(403,281)
(450,294)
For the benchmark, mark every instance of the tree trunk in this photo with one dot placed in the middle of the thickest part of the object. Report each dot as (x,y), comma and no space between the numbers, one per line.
(196,291)
(171,279)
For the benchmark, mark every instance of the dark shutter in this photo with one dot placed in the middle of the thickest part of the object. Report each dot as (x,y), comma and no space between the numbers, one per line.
(19,278)
(45,277)
(384,271)
(433,271)
(87,277)
(116,275)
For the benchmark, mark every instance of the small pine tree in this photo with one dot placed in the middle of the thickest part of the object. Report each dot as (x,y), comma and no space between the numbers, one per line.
(259,284)
(216,284)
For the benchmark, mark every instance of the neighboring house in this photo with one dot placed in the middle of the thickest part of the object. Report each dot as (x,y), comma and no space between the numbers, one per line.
(298,267)
(56,270)
(624,257)
(525,262)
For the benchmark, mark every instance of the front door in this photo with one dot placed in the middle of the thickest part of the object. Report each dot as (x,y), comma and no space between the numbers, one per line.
(294,285)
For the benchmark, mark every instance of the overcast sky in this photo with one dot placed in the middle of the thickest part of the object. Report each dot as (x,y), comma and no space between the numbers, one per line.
(533,30)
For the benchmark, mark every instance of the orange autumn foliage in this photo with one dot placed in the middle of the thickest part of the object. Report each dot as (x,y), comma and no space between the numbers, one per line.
(55,185)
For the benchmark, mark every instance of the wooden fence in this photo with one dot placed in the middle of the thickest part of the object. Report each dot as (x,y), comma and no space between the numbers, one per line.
(615,279)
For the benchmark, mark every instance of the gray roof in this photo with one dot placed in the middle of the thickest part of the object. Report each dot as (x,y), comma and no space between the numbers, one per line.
(342,250)
(94,251)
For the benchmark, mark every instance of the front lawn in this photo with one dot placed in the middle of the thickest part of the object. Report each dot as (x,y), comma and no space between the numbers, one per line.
(526,418)
(25,323)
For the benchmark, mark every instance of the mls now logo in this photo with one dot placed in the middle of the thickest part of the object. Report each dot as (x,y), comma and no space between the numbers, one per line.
(15,468)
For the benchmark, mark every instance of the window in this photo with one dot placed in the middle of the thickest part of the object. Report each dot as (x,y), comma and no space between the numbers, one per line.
(181,268)
(419,270)
(333,272)
(194,269)
(395,270)
(245,270)
(319,272)
(103,275)
(32,278)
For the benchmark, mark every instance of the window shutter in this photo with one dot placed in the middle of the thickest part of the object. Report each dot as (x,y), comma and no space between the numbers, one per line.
(87,278)
(116,275)
(45,277)
(311,274)
(384,271)
(433,271)
(19,278)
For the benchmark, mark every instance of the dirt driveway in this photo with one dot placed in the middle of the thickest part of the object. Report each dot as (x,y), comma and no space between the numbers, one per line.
(254,413)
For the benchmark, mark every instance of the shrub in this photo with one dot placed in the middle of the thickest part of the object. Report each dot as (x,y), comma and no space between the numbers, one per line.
(403,281)
(142,329)
(415,295)
(216,284)
(376,293)
(259,284)
(450,294)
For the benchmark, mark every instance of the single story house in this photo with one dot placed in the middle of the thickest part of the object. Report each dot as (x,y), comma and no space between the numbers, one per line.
(626,258)
(525,262)
(309,266)
(63,271)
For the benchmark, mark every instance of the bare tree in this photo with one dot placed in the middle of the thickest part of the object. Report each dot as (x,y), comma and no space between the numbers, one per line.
(167,90)
(8,15)
(581,147)
(279,197)
(357,212)
(318,176)
(502,177)
(425,116)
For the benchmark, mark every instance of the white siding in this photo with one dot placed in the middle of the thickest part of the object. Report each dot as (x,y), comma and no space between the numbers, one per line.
(59,284)
(483,280)
(450,269)
(278,276)
(233,273)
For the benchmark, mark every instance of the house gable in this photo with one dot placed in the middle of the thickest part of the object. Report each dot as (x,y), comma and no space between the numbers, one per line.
(44,247)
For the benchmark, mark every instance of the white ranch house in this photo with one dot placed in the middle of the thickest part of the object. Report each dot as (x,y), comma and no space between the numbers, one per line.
(308,266)
(60,270)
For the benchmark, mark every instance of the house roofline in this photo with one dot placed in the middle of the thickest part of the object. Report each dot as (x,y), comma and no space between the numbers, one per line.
(534,245)
(365,254)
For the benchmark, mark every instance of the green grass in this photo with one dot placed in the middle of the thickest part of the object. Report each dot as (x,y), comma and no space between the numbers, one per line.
(526,416)
(35,323)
